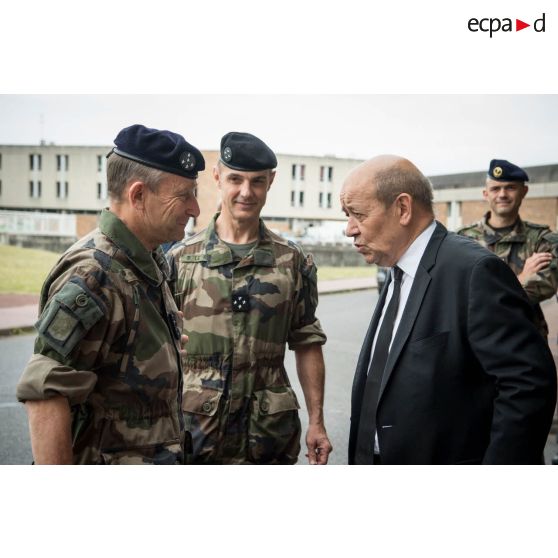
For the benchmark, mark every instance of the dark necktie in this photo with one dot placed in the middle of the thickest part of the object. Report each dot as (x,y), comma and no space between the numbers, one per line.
(367,423)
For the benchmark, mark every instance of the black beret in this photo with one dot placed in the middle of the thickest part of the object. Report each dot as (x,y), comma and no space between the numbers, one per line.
(245,152)
(504,171)
(159,149)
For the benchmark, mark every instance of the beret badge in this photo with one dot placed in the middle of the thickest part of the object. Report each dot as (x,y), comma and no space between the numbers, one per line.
(187,160)
(227,154)
(497,172)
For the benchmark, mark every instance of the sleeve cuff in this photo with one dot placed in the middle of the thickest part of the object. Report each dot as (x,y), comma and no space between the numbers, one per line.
(45,378)
(307,335)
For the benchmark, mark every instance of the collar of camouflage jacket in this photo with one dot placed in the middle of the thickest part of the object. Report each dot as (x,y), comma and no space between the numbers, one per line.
(152,265)
(218,253)
(517,234)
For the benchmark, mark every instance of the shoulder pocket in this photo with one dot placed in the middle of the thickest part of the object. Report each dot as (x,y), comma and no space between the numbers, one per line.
(70,314)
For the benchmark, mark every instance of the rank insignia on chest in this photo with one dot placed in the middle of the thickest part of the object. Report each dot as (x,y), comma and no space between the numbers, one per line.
(240,302)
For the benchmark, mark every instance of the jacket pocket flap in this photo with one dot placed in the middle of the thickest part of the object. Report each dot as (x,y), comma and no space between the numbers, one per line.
(279,400)
(204,401)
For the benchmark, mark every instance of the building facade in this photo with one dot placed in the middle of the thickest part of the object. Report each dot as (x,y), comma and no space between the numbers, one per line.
(458,198)
(54,191)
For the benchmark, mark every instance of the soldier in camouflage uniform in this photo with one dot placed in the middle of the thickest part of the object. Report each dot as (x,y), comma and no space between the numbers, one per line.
(529,249)
(105,382)
(246,293)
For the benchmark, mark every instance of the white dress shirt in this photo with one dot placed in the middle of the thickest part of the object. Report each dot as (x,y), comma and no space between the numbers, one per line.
(408,263)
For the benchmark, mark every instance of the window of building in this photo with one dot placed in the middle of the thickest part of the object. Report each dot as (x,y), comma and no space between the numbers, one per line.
(329,200)
(0,187)
(321,177)
(321,203)
(62,190)
(35,161)
(99,163)
(330,174)
(292,198)
(101,191)
(62,162)
(301,198)
(297,171)
(0,160)
(35,187)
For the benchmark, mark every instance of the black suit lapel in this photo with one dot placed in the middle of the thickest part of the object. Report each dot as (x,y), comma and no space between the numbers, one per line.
(414,302)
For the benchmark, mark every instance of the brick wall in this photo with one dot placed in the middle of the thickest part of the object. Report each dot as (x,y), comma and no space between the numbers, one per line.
(208,192)
(85,224)
(441,212)
(472,211)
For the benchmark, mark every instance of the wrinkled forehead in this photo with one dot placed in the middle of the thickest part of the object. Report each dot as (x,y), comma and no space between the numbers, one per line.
(357,192)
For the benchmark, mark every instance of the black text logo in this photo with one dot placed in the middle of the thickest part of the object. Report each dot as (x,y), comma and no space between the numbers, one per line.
(495,24)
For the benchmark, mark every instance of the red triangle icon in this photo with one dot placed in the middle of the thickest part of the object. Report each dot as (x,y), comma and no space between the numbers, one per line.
(519,25)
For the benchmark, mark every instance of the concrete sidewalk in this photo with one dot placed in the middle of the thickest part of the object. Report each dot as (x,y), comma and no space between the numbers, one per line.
(21,311)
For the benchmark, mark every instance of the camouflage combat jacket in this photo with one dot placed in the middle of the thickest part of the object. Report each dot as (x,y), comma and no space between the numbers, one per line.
(109,341)
(238,404)
(514,248)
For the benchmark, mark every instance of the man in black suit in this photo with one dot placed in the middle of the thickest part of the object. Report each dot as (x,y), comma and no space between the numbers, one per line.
(452,369)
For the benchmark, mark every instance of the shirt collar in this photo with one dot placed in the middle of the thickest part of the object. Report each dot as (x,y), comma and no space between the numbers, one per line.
(151,264)
(410,260)
(219,253)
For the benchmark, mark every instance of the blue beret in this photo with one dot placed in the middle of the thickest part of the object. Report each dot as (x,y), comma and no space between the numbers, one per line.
(504,171)
(245,152)
(159,149)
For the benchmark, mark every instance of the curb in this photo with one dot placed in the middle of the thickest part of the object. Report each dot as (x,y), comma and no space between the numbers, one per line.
(23,328)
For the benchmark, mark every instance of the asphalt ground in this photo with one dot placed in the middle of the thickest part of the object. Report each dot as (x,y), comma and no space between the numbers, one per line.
(344,317)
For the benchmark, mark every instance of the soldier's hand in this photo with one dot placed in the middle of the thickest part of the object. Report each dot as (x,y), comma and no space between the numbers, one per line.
(183,340)
(183,337)
(319,446)
(533,264)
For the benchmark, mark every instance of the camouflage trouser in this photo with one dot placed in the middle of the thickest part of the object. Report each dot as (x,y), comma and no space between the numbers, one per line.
(261,429)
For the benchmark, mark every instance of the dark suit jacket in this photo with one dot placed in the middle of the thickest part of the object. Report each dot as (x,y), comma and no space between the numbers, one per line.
(468,379)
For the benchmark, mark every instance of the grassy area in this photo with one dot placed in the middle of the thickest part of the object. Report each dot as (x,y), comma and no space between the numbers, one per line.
(327,273)
(23,270)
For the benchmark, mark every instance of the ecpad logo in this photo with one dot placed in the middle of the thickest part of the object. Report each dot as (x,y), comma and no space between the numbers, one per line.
(493,25)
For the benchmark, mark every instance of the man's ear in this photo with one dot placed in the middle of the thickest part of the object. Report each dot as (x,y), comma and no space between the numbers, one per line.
(136,195)
(404,208)
(271,179)
(217,175)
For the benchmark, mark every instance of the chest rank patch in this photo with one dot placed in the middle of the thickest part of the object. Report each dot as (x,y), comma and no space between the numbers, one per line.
(240,302)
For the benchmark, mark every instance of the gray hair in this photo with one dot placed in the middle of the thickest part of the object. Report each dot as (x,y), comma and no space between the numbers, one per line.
(390,183)
(121,171)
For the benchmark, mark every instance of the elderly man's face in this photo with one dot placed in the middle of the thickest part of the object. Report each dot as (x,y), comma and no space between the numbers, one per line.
(375,228)
(170,207)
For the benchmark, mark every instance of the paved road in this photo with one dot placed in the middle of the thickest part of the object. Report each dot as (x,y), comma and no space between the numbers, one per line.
(14,436)
(344,318)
